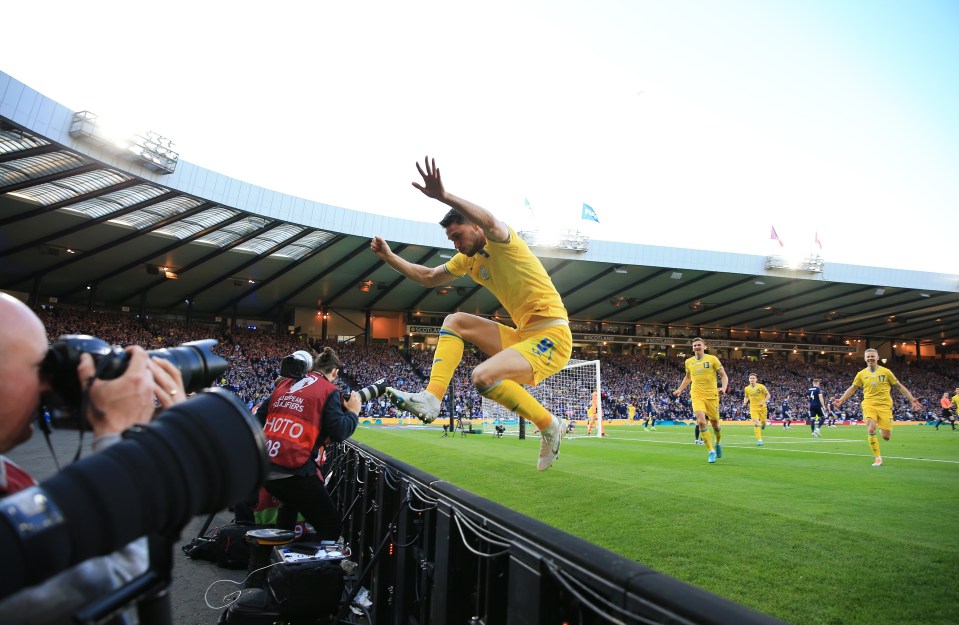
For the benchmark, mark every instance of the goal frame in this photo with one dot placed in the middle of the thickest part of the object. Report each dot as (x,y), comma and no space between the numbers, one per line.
(567,393)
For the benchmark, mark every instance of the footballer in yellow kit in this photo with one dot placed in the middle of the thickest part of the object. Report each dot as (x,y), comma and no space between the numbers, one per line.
(876,382)
(493,255)
(702,371)
(756,395)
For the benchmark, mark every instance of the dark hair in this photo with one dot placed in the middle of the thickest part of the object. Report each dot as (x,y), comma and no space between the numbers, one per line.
(327,361)
(452,217)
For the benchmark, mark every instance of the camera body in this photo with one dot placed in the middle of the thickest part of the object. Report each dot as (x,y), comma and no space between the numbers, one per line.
(198,366)
(296,365)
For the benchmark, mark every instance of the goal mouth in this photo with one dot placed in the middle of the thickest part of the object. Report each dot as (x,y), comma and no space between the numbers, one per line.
(567,394)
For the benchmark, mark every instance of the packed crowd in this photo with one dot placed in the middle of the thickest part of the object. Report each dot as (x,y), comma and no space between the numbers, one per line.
(255,356)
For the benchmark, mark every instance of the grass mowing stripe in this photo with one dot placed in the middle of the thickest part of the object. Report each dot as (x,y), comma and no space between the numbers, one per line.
(811,536)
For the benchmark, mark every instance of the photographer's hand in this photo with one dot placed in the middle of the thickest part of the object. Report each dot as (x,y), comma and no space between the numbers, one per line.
(115,405)
(353,403)
(168,382)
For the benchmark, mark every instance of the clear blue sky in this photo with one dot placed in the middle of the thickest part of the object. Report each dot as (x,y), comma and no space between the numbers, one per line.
(693,124)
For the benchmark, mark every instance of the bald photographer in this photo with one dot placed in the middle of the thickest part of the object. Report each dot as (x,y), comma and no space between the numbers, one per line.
(112,407)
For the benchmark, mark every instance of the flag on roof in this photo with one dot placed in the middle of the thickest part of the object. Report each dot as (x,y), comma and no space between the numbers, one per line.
(589,214)
(775,237)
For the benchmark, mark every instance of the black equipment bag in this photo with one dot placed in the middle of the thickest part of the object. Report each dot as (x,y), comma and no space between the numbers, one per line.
(254,606)
(225,545)
(307,579)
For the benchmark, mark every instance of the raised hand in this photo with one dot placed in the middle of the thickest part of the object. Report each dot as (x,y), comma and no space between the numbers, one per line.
(432,181)
(380,247)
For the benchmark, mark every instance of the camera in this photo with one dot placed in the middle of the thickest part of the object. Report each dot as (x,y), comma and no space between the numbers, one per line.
(374,390)
(296,365)
(198,366)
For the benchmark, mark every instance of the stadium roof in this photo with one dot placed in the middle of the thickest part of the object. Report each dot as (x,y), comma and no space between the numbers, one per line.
(84,222)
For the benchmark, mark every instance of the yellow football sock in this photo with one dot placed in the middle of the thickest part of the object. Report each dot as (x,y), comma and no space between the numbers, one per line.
(719,435)
(707,437)
(514,397)
(874,445)
(759,433)
(449,353)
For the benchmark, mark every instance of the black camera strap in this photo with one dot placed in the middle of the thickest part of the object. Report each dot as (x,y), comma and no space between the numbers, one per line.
(85,405)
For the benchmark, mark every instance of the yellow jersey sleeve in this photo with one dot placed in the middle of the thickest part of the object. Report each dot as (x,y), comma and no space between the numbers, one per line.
(456,266)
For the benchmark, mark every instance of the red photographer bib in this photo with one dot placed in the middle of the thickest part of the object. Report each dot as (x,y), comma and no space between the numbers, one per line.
(293,425)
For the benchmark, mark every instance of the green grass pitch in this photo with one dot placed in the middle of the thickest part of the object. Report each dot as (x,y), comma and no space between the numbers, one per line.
(803,528)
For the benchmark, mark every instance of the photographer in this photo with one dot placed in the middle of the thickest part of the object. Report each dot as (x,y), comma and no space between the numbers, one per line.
(304,412)
(113,406)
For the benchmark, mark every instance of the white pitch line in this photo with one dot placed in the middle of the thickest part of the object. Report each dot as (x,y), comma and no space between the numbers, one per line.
(798,451)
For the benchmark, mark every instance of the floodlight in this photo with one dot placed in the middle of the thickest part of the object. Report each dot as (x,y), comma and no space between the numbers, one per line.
(572,240)
(150,150)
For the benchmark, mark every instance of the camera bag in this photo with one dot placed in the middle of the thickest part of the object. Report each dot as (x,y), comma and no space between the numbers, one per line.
(231,550)
(254,606)
(309,585)
(225,545)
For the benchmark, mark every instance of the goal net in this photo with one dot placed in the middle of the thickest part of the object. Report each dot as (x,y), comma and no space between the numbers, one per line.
(567,394)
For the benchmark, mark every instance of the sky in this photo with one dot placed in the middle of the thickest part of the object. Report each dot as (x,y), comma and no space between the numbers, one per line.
(693,124)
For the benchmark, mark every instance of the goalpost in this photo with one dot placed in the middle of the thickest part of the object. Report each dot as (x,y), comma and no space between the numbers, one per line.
(567,394)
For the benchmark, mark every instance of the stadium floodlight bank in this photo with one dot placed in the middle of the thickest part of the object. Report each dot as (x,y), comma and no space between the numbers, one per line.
(566,394)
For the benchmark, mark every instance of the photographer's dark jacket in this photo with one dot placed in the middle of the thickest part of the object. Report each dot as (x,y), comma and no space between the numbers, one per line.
(300,416)
(55,600)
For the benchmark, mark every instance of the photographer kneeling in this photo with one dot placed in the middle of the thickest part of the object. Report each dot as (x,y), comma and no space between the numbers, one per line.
(303,413)
(114,406)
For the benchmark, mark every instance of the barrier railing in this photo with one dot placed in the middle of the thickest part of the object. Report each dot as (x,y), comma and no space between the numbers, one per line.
(429,552)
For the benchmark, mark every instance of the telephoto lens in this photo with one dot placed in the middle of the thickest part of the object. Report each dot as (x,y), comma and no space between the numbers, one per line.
(374,390)
(198,365)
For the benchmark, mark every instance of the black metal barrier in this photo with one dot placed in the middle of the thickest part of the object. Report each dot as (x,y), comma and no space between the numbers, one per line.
(432,553)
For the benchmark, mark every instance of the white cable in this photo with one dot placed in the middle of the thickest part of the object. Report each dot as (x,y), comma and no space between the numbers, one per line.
(235,594)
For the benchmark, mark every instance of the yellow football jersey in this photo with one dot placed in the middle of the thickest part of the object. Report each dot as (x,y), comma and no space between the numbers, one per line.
(515,276)
(875,386)
(756,394)
(955,400)
(704,373)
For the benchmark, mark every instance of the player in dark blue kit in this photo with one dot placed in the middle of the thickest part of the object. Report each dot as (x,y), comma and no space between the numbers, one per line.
(787,416)
(650,415)
(831,415)
(815,406)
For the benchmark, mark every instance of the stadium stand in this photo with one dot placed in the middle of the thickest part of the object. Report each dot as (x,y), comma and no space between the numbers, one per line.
(119,248)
